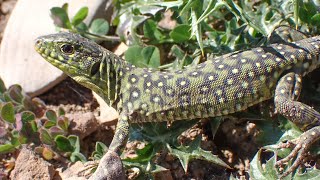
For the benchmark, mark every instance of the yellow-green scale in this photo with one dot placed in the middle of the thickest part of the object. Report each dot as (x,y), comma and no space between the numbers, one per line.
(216,87)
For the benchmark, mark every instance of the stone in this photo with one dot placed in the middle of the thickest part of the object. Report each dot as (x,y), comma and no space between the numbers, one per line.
(72,172)
(19,62)
(108,115)
(82,124)
(29,166)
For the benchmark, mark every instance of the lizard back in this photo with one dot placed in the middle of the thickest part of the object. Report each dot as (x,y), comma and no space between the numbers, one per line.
(220,86)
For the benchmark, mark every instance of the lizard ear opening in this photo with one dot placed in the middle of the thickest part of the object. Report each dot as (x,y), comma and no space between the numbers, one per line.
(95,68)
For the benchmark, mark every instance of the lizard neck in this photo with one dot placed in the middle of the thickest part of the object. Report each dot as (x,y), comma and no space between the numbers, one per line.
(108,81)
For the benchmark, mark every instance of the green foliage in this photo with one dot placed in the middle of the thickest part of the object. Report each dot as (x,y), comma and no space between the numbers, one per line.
(193,151)
(199,30)
(27,121)
(98,28)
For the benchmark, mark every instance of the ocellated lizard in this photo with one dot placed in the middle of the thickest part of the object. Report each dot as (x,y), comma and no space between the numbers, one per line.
(217,87)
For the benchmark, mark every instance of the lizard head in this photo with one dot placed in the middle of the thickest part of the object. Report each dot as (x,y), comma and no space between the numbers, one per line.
(76,56)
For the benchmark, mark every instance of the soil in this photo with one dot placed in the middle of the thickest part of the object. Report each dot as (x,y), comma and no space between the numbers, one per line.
(229,146)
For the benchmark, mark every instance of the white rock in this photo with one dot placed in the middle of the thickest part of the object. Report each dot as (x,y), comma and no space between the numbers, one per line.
(19,62)
(108,115)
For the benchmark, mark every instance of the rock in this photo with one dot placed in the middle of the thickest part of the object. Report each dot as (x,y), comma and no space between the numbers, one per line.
(7,6)
(163,175)
(19,62)
(82,124)
(108,115)
(29,166)
(71,173)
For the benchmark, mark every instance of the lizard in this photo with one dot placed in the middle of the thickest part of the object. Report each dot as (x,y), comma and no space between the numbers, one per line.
(217,87)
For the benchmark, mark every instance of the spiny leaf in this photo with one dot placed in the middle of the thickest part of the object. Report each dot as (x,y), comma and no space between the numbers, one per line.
(196,30)
(193,151)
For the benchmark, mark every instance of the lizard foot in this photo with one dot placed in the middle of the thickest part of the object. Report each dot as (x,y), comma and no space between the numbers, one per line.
(110,167)
(300,151)
(88,169)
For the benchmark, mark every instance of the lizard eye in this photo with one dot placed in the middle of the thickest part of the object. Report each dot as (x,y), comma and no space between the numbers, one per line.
(67,48)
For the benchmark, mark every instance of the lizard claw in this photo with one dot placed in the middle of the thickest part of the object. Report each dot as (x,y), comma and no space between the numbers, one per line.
(299,152)
(88,169)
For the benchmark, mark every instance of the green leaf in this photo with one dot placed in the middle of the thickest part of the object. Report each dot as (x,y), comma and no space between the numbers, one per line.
(45,137)
(134,56)
(75,142)
(65,6)
(193,151)
(151,56)
(60,17)
(82,27)
(27,116)
(51,115)
(76,156)
(80,16)
(2,87)
(143,155)
(6,148)
(16,94)
(266,171)
(34,126)
(99,27)
(48,124)
(310,173)
(55,131)
(63,123)
(63,144)
(61,111)
(47,153)
(101,148)
(7,112)
(151,31)
(196,30)
(315,20)
(181,33)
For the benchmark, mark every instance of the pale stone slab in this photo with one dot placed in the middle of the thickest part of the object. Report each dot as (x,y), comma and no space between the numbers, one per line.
(108,115)
(19,62)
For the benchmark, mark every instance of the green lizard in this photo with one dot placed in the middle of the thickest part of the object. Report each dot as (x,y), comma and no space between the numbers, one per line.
(217,87)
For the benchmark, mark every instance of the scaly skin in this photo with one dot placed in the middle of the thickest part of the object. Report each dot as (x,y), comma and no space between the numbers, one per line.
(217,87)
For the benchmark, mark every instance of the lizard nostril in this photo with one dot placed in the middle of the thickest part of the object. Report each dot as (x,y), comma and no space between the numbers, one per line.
(38,41)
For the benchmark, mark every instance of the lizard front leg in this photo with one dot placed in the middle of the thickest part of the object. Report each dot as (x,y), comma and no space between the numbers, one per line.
(286,94)
(110,165)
